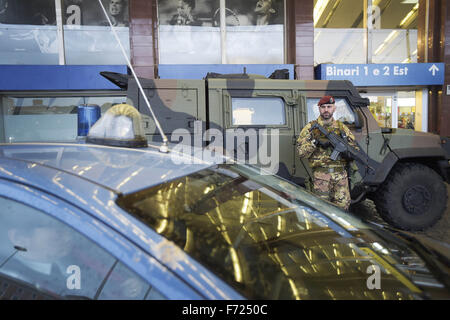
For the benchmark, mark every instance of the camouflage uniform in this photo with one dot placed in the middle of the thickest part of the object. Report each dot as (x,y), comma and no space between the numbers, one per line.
(330,180)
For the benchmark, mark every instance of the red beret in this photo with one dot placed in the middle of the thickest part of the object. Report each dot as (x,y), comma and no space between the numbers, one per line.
(326,100)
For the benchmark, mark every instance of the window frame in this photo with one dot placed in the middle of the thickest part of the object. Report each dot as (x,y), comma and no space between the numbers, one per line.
(235,126)
(336,96)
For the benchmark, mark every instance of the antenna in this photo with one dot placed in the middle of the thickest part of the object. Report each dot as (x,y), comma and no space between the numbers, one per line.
(164,148)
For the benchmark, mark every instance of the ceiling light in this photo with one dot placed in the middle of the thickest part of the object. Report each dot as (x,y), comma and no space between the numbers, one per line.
(318,9)
(406,18)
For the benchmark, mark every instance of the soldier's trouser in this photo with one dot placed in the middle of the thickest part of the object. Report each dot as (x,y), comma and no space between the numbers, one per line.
(332,186)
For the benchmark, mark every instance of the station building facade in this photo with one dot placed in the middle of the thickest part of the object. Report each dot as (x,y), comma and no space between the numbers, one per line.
(395,52)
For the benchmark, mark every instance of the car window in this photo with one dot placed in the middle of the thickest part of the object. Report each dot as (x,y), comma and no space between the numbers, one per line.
(259,234)
(42,257)
(258,111)
(343,111)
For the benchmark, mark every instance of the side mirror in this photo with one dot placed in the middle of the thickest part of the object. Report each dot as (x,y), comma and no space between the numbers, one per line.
(359,120)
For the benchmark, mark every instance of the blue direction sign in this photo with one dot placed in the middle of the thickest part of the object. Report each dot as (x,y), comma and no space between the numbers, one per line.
(391,74)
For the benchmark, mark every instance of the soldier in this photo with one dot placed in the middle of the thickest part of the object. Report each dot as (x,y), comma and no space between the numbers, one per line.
(330,178)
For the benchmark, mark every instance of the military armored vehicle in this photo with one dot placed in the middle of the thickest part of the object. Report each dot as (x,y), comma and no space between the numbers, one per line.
(405,173)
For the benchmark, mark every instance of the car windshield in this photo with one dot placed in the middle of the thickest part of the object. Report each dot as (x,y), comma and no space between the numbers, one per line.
(262,236)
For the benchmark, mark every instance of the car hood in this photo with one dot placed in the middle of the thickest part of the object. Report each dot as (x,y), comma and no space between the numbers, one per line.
(122,170)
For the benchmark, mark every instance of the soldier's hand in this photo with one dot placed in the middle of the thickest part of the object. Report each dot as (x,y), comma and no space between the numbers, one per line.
(347,155)
(312,139)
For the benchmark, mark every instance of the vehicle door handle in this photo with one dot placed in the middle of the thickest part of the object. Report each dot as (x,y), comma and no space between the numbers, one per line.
(190,123)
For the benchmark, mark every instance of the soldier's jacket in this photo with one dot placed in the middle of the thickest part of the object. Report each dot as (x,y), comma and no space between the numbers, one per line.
(319,156)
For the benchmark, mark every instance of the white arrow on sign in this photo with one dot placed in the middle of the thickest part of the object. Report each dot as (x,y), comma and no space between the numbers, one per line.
(433,69)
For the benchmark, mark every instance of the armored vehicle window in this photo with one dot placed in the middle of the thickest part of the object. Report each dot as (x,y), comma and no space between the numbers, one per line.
(258,111)
(343,111)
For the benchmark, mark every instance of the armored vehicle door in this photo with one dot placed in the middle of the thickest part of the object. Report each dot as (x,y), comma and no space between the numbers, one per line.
(259,118)
(176,103)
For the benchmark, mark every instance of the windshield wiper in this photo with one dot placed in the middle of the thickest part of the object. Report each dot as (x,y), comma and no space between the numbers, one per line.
(434,260)
(17,249)
(76,297)
(100,288)
(433,263)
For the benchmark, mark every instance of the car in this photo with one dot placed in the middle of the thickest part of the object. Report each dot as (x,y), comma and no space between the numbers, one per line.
(85,221)
(90,220)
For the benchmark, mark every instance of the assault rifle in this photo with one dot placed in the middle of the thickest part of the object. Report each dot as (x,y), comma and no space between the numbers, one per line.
(341,146)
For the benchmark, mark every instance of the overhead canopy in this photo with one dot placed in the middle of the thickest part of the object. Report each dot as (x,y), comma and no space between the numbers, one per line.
(55,77)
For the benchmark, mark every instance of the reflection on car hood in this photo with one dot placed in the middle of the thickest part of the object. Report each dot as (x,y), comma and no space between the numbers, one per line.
(123,170)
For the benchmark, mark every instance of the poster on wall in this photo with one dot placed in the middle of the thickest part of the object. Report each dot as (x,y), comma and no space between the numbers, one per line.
(207,12)
(36,12)
(254,13)
(89,13)
(187,12)
(75,12)
(189,31)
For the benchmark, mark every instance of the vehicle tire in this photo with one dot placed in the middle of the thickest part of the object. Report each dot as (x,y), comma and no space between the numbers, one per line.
(413,197)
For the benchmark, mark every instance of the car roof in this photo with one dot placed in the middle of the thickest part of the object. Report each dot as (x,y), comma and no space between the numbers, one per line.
(57,168)
(122,170)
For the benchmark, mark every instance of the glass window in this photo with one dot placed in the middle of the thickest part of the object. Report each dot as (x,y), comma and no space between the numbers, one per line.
(339,31)
(394,33)
(255,31)
(258,111)
(261,236)
(343,113)
(189,31)
(87,36)
(46,257)
(406,109)
(381,106)
(28,33)
(46,118)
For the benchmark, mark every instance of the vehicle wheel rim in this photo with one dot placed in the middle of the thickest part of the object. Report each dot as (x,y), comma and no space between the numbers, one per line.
(417,199)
